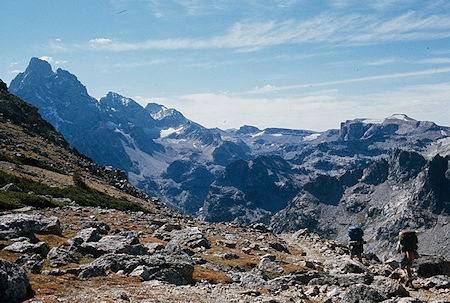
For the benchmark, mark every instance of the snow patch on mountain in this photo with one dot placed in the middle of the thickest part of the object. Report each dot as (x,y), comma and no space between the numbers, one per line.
(167,132)
(401,117)
(311,137)
(372,121)
(258,134)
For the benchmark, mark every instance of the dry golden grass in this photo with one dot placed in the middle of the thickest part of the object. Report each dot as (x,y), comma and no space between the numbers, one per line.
(9,256)
(208,274)
(53,240)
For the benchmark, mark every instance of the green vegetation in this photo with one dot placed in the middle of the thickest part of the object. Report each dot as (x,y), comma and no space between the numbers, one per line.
(30,161)
(9,200)
(81,194)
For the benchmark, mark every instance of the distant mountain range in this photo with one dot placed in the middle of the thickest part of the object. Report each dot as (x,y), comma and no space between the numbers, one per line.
(249,174)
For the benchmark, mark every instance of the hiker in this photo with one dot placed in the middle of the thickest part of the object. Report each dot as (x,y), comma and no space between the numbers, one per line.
(407,247)
(356,242)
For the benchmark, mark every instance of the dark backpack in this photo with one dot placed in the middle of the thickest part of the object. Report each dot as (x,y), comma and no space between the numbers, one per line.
(408,240)
(355,233)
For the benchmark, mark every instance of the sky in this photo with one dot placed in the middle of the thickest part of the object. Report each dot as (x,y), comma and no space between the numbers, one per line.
(295,64)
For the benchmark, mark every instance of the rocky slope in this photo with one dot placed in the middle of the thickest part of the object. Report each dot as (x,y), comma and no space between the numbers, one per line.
(66,252)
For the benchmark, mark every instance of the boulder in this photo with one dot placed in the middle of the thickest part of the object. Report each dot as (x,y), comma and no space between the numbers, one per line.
(17,225)
(361,293)
(191,237)
(90,234)
(14,283)
(32,264)
(261,227)
(101,227)
(153,247)
(428,266)
(26,247)
(389,288)
(279,247)
(253,278)
(126,242)
(58,256)
(351,266)
(268,265)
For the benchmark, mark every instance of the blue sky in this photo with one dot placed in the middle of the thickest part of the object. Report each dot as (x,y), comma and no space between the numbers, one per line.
(269,63)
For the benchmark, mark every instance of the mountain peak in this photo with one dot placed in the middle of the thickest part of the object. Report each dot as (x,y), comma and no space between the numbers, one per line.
(154,108)
(39,66)
(114,99)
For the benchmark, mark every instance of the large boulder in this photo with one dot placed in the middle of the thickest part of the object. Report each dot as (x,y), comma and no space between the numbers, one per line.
(17,225)
(123,242)
(389,287)
(58,256)
(361,293)
(191,237)
(14,283)
(428,266)
(26,247)
(32,264)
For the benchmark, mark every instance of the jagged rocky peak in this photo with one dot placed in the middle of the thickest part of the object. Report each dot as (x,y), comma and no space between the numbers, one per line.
(169,115)
(39,66)
(39,74)
(154,108)
(113,99)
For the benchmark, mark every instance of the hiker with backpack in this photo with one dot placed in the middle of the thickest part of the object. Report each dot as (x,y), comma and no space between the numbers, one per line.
(356,242)
(407,247)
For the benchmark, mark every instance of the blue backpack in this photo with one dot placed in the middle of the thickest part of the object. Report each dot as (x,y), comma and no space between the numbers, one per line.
(355,234)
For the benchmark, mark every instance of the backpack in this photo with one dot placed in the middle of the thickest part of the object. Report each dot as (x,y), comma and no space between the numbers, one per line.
(355,234)
(408,240)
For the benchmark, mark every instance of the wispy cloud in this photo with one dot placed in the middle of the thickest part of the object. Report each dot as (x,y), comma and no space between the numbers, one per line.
(354,29)
(271,88)
(435,61)
(422,102)
(379,62)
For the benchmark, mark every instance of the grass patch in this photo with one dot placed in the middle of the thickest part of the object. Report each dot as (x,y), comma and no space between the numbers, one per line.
(82,195)
(31,162)
(83,259)
(212,276)
(11,200)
